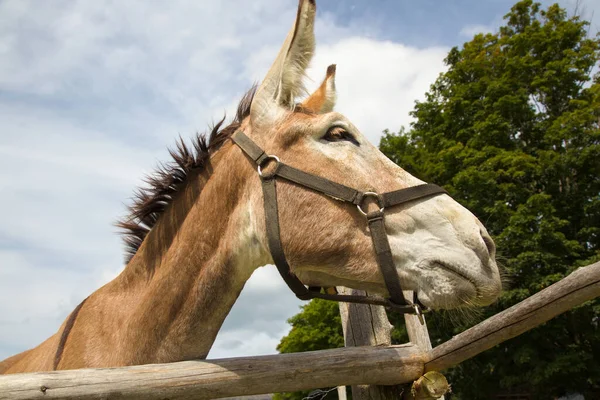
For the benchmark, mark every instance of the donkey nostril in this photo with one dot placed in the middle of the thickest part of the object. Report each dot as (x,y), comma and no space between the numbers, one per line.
(489,243)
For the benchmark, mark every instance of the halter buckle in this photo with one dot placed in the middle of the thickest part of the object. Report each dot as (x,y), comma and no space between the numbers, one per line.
(365,195)
(264,162)
(419,313)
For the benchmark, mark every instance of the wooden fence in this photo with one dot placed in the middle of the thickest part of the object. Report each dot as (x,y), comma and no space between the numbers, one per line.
(387,365)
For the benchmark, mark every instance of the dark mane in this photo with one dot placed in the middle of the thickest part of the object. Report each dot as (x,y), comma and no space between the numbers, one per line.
(170,178)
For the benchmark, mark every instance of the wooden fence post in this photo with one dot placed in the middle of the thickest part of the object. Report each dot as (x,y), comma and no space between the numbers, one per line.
(367,325)
(417,332)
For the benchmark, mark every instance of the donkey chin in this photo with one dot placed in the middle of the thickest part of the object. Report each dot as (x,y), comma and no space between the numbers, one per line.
(449,284)
(438,284)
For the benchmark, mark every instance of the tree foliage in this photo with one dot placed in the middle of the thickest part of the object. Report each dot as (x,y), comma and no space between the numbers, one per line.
(317,327)
(512,131)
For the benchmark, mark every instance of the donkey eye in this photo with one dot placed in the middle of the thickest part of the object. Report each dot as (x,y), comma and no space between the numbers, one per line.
(338,134)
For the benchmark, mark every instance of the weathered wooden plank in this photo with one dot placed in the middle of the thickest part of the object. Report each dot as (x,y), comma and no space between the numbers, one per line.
(367,325)
(223,378)
(430,386)
(581,286)
(290,372)
(417,334)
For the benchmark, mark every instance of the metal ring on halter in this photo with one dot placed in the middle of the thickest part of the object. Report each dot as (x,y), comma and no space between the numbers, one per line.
(419,313)
(271,174)
(370,194)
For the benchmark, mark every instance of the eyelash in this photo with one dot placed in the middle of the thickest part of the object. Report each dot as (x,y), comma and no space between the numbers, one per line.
(337,134)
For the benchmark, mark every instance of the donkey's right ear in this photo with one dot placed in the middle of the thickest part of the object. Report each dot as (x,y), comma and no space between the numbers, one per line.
(283,82)
(323,99)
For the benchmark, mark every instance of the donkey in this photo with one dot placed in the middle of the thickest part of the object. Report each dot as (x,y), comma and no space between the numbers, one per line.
(197,234)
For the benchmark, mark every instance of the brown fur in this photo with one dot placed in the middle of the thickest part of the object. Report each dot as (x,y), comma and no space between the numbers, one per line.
(171,299)
(154,310)
(65,334)
(197,233)
(181,276)
(317,101)
(170,179)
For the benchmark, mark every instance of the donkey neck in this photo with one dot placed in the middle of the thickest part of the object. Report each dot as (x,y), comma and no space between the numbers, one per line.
(190,270)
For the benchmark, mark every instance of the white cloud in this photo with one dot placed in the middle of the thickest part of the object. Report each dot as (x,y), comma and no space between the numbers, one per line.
(471,30)
(257,321)
(378,81)
(246,342)
(92,93)
(266,279)
(587,9)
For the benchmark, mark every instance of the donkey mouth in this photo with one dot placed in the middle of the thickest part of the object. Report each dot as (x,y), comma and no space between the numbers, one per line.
(473,289)
(464,287)
(457,271)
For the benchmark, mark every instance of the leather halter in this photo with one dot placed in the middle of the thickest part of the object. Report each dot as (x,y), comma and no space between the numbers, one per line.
(343,193)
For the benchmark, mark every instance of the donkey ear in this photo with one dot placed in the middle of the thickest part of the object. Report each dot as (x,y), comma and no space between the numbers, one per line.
(323,99)
(283,82)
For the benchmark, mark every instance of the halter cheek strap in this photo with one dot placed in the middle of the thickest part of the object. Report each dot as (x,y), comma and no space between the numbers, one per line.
(375,221)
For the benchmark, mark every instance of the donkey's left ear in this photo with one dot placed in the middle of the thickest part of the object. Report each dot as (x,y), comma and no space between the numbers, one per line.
(323,99)
(283,82)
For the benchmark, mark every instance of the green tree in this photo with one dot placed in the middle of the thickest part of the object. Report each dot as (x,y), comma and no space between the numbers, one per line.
(318,327)
(512,131)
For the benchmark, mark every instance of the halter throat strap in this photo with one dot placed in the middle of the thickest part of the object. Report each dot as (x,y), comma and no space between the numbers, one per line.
(375,221)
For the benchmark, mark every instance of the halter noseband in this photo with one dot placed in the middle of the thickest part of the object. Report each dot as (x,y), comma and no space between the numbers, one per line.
(343,193)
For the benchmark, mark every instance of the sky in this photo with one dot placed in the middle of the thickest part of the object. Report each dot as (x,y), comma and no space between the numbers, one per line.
(93,92)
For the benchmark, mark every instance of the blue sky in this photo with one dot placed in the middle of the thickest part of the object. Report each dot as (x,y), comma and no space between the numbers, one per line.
(92,93)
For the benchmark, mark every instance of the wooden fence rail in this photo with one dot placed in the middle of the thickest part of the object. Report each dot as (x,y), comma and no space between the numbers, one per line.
(222,378)
(290,372)
(581,286)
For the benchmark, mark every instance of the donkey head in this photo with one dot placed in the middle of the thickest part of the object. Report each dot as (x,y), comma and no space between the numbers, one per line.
(440,250)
